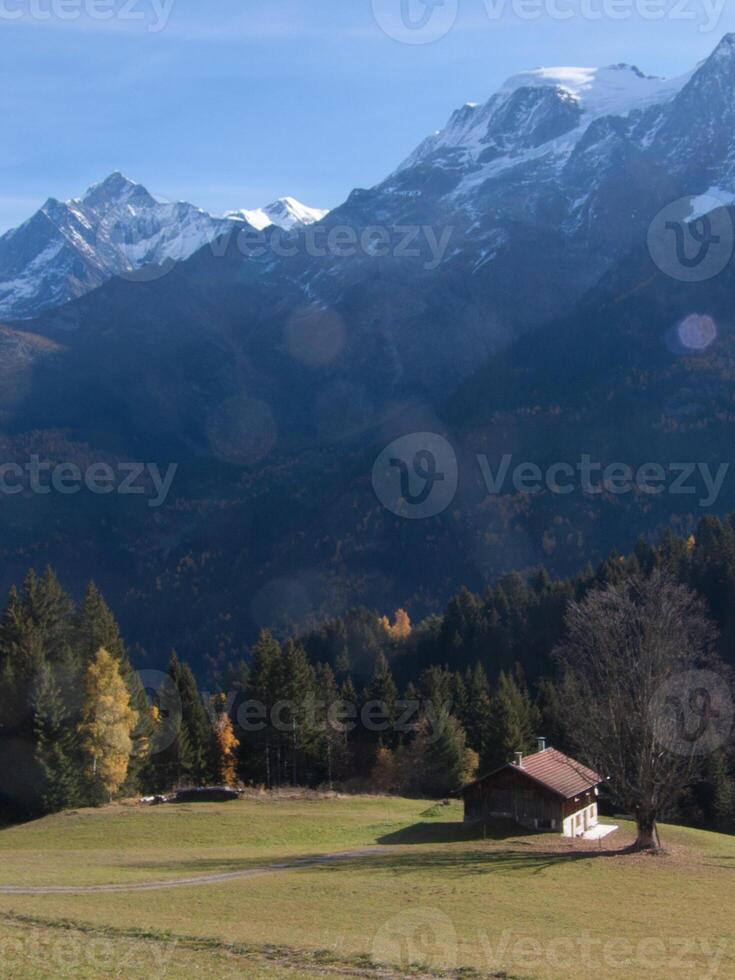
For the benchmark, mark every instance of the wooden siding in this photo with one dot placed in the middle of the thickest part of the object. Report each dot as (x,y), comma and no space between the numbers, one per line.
(579,802)
(508,793)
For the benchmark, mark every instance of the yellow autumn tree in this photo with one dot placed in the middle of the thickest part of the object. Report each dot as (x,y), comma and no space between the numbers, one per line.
(385,774)
(400,629)
(227,743)
(107,722)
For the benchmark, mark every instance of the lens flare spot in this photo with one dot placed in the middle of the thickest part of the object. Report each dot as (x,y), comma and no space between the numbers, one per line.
(315,337)
(241,430)
(697,332)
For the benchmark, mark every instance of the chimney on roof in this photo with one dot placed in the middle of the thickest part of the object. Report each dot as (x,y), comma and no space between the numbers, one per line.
(541,744)
(519,760)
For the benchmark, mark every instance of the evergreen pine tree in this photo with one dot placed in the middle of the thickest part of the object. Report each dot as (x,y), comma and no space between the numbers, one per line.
(381,696)
(299,697)
(53,612)
(35,632)
(21,659)
(196,723)
(440,761)
(513,723)
(477,715)
(96,627)
(331,742)
(57,749)
(169,764)
(263,685)
(349,721)
(722,817)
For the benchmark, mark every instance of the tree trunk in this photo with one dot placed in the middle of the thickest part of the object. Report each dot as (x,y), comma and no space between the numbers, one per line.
(648,839)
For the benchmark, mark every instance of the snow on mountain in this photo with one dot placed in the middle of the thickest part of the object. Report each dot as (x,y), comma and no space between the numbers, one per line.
(543,188)
(116,229)
(286,213)
(572,162)
(578,148)
(614,90)
(543,111)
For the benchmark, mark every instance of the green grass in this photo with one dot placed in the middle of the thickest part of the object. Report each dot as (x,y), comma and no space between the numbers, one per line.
(436,900)
(127,843)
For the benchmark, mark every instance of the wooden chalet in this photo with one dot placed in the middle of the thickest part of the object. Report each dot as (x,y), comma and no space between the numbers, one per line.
(543,791)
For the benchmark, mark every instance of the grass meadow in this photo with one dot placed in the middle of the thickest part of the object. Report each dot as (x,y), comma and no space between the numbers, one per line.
(426,896)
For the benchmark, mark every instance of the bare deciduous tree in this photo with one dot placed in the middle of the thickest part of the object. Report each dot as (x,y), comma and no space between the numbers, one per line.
(640,692)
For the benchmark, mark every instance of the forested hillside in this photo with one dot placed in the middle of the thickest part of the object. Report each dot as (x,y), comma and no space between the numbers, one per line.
(361,701)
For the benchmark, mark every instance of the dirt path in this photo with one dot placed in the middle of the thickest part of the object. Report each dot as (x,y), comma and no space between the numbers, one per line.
(144,886)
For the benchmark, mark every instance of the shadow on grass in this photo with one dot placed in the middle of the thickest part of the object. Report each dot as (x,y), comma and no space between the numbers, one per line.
(463,863)
(435,832)
(469,862)
(521,850)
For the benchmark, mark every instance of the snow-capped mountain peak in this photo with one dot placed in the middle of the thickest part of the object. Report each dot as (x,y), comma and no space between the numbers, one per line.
(286,213)
(581,153)
(612,90)
(536,108)
(725,49)
(70,247)
(117,227)
(114,189)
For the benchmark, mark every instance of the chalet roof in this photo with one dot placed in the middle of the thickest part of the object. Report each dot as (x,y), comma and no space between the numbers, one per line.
(556,771)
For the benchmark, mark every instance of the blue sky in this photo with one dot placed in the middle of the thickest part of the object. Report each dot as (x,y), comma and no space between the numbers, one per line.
(237,102)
